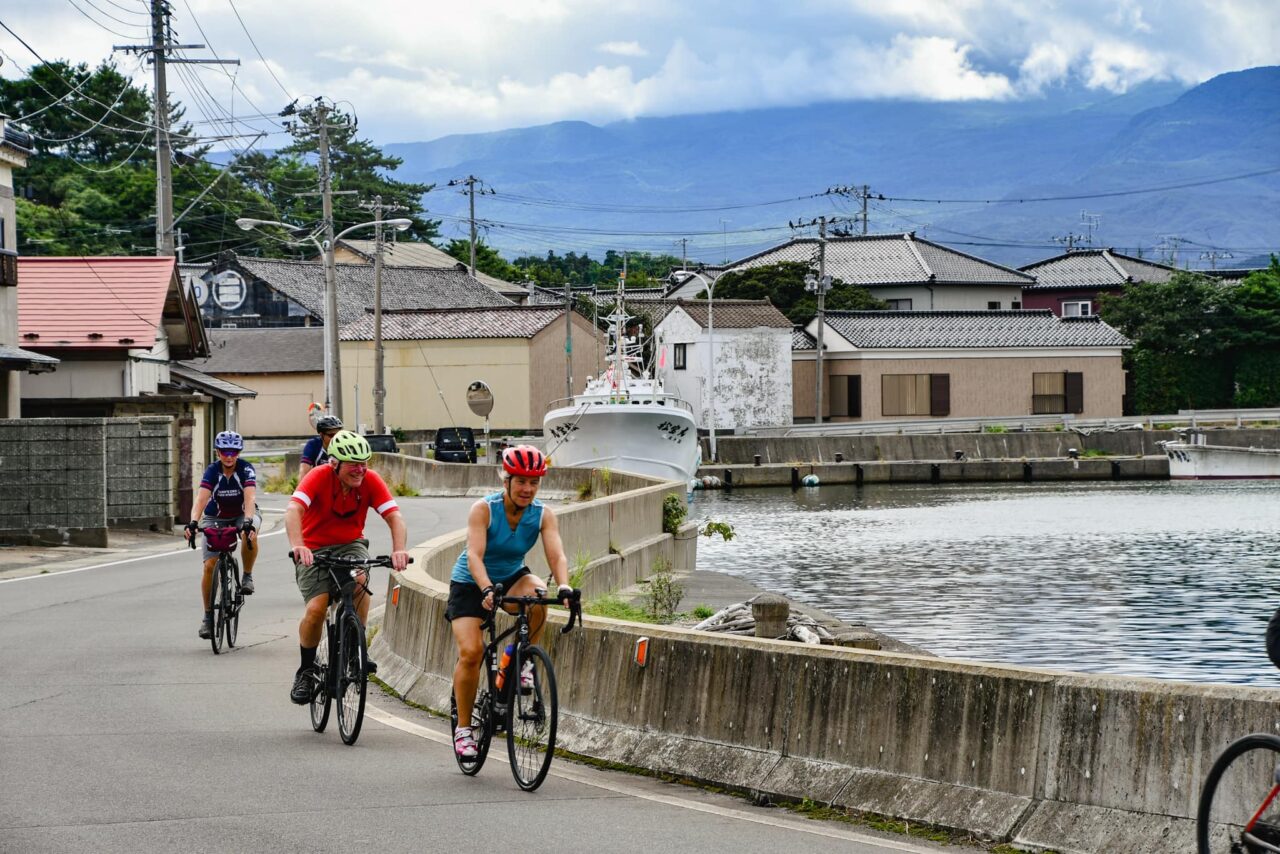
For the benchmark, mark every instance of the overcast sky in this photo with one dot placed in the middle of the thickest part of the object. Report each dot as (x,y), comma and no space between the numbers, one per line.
(418,71)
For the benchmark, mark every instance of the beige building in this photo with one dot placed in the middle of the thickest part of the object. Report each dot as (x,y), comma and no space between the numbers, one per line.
(893,366)
(431,357)
(14,360)
(284,365)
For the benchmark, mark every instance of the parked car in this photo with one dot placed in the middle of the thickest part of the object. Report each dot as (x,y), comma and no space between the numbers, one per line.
(382,443)
(455,445)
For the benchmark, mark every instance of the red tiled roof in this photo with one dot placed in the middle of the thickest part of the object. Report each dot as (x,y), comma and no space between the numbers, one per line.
(91,303)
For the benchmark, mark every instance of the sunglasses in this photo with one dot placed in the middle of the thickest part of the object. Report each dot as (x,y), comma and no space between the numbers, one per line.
(228,452)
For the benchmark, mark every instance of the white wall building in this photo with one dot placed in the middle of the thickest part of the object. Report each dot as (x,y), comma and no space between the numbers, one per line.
(752,355)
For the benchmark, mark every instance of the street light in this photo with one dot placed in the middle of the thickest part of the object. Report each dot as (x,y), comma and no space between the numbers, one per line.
(711,358)
(332,371)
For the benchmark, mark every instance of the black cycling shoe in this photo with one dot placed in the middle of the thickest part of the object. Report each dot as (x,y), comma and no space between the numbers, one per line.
(206,627)
(246,584)
(301,693)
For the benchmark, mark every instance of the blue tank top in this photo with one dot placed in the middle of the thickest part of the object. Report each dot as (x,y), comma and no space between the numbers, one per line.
(505,549)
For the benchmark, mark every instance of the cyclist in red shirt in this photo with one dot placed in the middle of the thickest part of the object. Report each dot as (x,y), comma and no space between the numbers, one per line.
(326,515)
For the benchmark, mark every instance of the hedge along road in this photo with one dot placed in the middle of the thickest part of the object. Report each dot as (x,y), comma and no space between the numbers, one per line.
(121,731)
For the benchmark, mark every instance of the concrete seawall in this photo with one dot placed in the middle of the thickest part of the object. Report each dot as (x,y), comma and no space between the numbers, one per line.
(1048,760)
(919,471)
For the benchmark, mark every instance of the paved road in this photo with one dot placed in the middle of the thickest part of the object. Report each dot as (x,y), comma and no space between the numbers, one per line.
(121,731)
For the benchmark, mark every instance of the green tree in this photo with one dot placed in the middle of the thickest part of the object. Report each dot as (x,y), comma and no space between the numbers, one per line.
(487,260)
(783,285)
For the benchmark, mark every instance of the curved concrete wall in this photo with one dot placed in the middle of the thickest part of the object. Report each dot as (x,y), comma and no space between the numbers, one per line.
(1049,760)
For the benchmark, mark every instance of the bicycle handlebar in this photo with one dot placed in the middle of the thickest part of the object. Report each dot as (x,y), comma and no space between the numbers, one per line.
(574,597)
(348,561)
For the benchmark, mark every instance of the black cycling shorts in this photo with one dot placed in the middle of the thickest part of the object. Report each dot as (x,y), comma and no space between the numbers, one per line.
(465,599)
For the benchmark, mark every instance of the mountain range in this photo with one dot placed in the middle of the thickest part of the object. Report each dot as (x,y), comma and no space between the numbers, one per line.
(732,182)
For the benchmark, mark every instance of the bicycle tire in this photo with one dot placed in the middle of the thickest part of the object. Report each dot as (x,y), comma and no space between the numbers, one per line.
(532,716)
(481,730)
(1240,801)
(352,678)
(216,595)
(231,601)
(321,698)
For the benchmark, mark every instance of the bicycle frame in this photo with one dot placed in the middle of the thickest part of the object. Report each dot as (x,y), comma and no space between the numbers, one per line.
(522,632)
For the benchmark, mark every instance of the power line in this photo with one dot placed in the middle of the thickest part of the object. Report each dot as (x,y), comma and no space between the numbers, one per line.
(286,92)
(103,26)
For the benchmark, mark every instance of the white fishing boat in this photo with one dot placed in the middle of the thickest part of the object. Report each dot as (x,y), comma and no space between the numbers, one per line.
(1197,460)
(624,420)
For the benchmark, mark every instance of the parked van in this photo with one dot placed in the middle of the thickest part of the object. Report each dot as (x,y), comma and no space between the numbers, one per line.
(455,445)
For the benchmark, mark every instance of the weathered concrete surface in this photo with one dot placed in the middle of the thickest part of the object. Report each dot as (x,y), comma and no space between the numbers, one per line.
(942,446)
(945,471)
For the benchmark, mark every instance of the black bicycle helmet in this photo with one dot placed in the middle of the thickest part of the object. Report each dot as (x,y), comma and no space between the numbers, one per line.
(325,423)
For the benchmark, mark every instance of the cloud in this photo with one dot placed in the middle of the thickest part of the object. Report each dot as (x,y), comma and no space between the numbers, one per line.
(425,70)
(623,49)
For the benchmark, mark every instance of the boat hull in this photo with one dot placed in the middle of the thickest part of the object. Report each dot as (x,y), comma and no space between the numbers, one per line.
(644,438)
(1220,462)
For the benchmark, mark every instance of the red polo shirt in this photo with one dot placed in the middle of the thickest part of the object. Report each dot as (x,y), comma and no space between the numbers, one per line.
(331,518)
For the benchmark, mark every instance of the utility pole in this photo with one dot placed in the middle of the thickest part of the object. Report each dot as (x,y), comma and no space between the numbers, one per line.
(568,340)
(820,286)
(866,191)
(684,250)
(379,384)
(470,183)
(159,57)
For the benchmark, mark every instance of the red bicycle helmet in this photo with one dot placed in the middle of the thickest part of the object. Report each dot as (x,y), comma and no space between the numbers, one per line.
(524,461)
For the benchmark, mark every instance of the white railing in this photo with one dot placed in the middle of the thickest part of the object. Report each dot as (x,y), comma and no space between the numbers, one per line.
(1020,423)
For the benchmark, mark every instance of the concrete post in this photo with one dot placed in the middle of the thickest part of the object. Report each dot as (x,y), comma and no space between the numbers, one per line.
(770,612)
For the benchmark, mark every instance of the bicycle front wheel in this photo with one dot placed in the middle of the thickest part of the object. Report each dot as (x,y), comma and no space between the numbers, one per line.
(1240,803)
(217,600)
(231,600)
(321,699)
(352,679)
(531,717)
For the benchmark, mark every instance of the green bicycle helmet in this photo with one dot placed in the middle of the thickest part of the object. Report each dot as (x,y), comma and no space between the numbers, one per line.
(348,447)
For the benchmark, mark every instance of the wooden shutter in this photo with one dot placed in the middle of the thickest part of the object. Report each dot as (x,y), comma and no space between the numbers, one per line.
(1075,392)
(940,394)
(854,396)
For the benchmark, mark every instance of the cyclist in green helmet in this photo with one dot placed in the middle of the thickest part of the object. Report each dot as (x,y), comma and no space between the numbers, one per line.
(326,515)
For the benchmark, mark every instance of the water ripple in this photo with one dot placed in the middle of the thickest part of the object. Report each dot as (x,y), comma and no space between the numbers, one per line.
(1171,580)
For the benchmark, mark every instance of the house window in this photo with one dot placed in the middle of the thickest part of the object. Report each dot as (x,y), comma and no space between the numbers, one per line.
(915,394)
(899,304)
(1016,305)
(993,305)
(679,357)
(1057,393)
(1077,308)
(853,397)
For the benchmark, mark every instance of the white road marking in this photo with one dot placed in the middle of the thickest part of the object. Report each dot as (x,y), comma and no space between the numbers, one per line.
(57,573)
(594,779)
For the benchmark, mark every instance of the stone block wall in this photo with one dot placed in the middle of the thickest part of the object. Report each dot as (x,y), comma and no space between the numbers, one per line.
(53,482)
(139,466)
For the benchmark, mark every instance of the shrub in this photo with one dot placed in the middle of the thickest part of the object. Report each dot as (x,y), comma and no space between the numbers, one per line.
(663,594)
(674,511)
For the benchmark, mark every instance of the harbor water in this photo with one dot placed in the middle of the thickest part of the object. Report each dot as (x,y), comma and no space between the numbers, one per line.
(1173,580)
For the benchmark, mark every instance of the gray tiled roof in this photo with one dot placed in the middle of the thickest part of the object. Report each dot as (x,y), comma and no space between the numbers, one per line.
(889,259)
(267,350)
(200,381)
(511,321)
(411,254)
(17,355)
(801,340)
(1095,268)
(402,287)
(731,313)
(896,330)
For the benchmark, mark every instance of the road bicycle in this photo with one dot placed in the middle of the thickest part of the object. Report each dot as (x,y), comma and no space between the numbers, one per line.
(525,706)
(1239,809)
(341,669)
(225,598)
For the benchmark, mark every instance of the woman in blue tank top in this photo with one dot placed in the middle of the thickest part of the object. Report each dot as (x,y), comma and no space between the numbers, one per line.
(501,529)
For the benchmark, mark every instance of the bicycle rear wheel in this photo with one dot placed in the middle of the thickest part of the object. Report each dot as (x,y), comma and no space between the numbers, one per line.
(232,600)
(531,718)
(1240,802)
(352,679)
(481,731)
(217,595)
(320,696)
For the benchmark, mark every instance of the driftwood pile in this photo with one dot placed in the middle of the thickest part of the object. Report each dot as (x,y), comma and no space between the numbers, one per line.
(738,620)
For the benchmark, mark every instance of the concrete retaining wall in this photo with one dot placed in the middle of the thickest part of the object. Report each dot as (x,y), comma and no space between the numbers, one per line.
(971,471)
(1048,760)
(988,446)
(53,481)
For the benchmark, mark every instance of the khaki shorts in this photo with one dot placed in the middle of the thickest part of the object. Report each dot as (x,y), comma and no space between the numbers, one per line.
(313,580)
